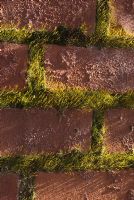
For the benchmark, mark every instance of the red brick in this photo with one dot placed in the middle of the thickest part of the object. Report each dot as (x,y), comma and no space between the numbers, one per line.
(8,186)
(85,185)
(49,13)
(13,65)
(11,131)
(119,135)
(122,14)
(106,69)
(36,131)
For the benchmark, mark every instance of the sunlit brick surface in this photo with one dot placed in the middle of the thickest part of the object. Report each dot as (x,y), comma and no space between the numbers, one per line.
(122,14)
(49,13)
(106,69)
(85,185)
(119,135)
(36,131)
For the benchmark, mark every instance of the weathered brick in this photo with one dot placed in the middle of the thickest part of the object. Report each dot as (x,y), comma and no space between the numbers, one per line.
(119,135)
(106,69)
(49,13)
(9,186)
(85,185)
(122,14)
(13,65)
(36,131)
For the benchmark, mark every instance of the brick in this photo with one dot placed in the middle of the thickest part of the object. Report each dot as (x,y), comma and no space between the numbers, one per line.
(11,131)
(119,130)
(36,131)
(85,185)
(13,65)
(49,13)
(122,14)
(106,69)
(8,186)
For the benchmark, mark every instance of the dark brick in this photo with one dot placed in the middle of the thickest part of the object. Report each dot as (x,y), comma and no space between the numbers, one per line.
(13,65)
(106,69)
(36,131)
(84,185)
(8,186)
(49,13)
(122,14)
(119,135)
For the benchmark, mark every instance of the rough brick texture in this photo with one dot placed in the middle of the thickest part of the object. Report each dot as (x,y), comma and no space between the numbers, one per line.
(9,186)
(49,14)
(43,131)
(119,135)
(85,185)
(108,69)
(122,14)
(13,65)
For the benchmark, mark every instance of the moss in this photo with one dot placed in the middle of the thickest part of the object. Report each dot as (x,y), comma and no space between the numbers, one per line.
(63,99)
(36,74)
(97,132)
(26,187)
(72,161)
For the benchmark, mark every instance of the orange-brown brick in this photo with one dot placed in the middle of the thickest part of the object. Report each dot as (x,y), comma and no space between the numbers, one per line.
(13,65)
(106,69)
(49,13)
(9,186)
(119,136)
(85,185)
(36,131)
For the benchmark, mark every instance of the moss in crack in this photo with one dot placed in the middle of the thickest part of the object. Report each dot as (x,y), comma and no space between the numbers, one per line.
(97,132)
(61,35)
(75,160)
(12,34)
(26,187)
(102,18)
(35,74)
(66,98)
(115,161)
(59,99)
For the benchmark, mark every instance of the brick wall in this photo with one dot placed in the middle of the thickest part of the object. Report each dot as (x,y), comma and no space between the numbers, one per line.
(67,100)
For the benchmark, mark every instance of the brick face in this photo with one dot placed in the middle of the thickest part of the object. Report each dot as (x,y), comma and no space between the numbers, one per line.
(119,135)
(43,131)
(13,65)
(50,14)
(9,186)
(85,185)
(107,69)
(122,14)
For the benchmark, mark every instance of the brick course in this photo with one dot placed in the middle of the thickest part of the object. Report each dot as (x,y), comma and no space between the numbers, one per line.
(106,69)
(36,131)
(49,14)
(85,185)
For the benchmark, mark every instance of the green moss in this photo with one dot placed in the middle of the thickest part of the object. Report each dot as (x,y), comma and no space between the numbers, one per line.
(66,98)
(36,74)
(74,160)
(97,132)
